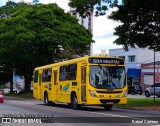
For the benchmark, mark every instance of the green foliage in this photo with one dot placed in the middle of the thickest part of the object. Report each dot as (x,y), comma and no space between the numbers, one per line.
(140,103)
(27,95)
(11,7)
(36,35)
(85,6)
(140,24)
(3,78)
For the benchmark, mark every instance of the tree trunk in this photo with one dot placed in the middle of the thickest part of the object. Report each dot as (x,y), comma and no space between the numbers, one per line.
(28,78)
(11,81)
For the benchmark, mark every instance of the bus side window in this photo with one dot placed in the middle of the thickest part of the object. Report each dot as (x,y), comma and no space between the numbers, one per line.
(72,71)
(36,76)
(63,73)
(43,76)
(83,75)
(47,75)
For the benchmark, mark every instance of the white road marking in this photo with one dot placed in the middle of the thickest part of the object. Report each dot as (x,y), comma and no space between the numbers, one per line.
(62,124)
(14,101)
(108,114)
(122,116)
(28,103)
(21,102)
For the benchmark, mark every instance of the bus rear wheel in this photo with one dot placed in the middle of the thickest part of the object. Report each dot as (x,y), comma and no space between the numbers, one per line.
(107,107)
(48,103)
(74,102)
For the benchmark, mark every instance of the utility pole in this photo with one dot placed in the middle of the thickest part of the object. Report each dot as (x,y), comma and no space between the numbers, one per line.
(154,75)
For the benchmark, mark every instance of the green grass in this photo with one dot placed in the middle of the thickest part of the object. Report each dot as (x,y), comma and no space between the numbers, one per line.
(21,95)
(140,103)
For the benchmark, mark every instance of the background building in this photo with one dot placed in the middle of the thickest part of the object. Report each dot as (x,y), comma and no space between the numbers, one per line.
(147,74)
(102,53)
(134,57)
(86,22)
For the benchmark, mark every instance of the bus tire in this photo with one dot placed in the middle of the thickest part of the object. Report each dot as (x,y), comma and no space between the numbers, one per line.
(74,102)
(48,103)
(69,105)
(107,107)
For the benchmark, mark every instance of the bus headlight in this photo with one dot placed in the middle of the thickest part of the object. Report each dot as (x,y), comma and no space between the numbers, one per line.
(92,93)
(125,94)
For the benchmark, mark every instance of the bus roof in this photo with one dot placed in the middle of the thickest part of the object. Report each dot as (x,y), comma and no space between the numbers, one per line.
(73,60)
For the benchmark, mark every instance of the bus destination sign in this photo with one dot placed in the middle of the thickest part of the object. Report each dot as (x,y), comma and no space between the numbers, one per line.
(106,61)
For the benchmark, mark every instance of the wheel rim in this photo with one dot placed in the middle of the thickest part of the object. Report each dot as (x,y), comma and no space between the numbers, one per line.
(46,99)
(74,102)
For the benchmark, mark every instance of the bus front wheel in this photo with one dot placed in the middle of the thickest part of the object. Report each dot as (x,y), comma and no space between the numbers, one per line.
(108,107)
(74,102)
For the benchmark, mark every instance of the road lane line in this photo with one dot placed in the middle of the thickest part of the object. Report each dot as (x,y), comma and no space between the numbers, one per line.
(62,124)
(22,102)
(29,103)
(134,118)
(14,101)
(108,114)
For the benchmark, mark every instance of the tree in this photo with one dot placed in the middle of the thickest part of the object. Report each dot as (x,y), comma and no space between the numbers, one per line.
(6,65)
(4,77)
(140,24)
(86,6)
(7,10)
(40,34)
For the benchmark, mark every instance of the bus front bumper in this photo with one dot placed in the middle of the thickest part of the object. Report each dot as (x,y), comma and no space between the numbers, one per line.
(106,101)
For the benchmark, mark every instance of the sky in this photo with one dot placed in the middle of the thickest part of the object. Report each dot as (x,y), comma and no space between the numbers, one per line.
(103,28)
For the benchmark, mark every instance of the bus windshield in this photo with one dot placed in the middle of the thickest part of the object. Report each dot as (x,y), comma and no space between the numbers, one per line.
(107,77)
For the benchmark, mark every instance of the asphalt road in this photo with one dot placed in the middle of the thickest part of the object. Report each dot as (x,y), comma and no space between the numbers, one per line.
(61,115)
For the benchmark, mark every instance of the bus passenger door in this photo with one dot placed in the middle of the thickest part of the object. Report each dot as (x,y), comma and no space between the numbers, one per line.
(83,84)
(36,93)
(40,87)
(55,88)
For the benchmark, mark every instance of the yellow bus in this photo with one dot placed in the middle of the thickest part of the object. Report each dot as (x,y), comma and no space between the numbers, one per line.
(90,80)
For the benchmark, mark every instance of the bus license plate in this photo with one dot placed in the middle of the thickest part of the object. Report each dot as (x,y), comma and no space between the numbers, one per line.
(109,103)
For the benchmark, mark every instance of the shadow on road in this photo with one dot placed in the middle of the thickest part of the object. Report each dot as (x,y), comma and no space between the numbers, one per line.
(82,108)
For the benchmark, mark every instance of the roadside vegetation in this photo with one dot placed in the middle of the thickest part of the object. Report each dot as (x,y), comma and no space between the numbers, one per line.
(143,104)
(20,95)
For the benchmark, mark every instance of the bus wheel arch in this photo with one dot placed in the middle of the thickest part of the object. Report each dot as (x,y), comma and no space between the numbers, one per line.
(74,101)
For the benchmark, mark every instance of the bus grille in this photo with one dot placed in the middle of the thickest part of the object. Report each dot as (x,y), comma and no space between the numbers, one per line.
(105,101)
(109,92)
